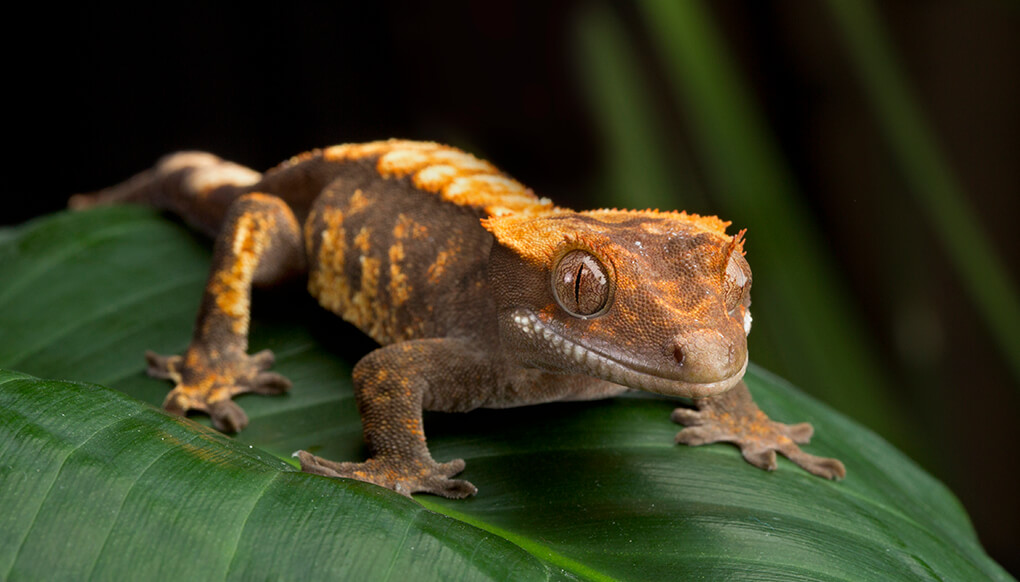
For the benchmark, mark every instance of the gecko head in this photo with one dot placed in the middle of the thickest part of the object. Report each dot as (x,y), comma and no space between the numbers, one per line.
(657,301)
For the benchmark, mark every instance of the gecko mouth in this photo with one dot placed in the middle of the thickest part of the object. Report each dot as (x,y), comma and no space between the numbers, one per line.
(607,368)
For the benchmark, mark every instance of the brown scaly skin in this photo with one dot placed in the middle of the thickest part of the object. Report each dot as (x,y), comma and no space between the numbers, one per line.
(481,294)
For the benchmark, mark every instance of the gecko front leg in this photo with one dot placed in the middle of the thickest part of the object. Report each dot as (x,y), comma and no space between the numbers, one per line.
(733,417)
(259,244)
(392,386)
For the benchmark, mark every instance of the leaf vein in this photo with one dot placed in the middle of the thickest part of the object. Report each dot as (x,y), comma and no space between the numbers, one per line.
(400,545)
(240,531)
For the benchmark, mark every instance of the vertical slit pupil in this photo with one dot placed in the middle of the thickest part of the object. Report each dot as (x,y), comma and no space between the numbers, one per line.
(588,291)
(577,284)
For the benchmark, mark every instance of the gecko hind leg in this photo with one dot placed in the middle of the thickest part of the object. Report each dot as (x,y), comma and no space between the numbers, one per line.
(733,417)
(259,244)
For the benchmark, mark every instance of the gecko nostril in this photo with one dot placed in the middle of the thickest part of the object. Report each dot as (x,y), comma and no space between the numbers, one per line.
(704,355)
(678,354)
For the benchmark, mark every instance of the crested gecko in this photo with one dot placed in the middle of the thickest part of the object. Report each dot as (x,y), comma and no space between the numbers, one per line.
(480,293)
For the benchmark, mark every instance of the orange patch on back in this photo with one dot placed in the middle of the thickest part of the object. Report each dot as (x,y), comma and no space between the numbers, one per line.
(445,257)
(205,179)
(333,289)
(454,175)
(357,202)
(438,267)
(407,226)
(327,282)
(364,299)
(403,160)
(357,151)
(435,178)
(400,290)
(497,194)
(373,312)
(309,230)
(363,240)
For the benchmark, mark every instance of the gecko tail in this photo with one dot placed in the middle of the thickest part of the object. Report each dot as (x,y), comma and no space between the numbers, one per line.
(134,190)
(196,186)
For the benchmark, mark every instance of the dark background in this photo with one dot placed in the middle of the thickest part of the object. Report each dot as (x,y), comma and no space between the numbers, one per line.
(99,94)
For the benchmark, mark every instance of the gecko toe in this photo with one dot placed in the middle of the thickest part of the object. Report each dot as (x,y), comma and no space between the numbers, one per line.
(824,467)
(451,468)
(800,433)
(162,367)
(700,435)
(761,458)
(262,360)
(686,416)
(177,402)
(270,383)
(227,416)
(453,488)
(829,468)
(317,465)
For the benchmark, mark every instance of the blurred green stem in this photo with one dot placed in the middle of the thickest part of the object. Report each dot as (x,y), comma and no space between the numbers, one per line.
(638,170)
(938,193)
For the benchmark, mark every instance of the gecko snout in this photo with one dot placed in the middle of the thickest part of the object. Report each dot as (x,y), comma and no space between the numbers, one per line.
(706,355)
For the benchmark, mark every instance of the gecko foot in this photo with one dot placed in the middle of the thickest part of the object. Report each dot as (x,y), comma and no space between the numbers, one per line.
(207,384)
(733,417)
(401,475)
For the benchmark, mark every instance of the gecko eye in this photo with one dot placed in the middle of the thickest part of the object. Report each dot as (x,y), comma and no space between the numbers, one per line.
(737,280)
(581,284)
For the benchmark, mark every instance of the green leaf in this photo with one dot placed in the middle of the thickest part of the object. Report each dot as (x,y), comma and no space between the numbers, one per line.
(639,166)
(93,481)
(97,485)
